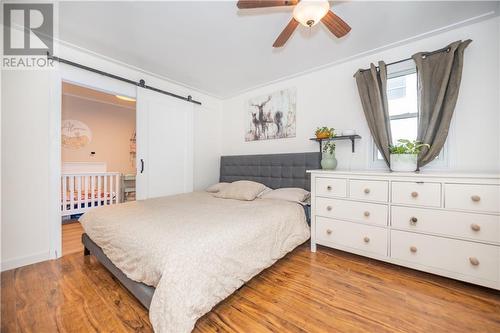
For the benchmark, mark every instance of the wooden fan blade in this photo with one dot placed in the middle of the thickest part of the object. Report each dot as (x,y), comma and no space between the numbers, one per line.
(286,33)
(335,24)
(245,4)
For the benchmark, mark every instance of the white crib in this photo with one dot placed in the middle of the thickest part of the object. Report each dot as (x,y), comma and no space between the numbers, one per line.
(86,185)
(83,191)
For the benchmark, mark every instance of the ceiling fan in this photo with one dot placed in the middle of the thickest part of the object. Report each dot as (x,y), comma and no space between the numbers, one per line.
(306,12)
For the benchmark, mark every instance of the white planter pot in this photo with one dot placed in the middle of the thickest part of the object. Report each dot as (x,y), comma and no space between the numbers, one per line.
(404,162)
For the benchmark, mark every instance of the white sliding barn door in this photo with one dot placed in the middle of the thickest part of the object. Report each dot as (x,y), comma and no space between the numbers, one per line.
(164,145)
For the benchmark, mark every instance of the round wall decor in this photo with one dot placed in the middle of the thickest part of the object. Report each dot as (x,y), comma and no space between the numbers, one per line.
(75,134)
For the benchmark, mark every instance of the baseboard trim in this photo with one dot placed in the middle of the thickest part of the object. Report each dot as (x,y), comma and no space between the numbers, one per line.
(23,261)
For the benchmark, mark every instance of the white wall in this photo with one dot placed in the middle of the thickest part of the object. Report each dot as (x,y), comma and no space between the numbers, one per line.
(25,167)
(329,97)
(31,148)
(112,127)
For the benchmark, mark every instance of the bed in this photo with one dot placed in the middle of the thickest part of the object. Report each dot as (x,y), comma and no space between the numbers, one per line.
(179,267)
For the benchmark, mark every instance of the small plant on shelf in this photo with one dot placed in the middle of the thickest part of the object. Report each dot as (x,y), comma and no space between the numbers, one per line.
(329,147)
(404,155)
(324,132)
(328,160)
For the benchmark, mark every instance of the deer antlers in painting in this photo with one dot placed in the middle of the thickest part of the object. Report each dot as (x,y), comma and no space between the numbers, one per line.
(260,123)
(272,116)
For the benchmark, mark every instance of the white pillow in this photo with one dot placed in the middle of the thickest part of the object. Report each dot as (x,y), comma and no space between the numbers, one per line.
(266,190)
(293,194)
(241,190)
(216,187)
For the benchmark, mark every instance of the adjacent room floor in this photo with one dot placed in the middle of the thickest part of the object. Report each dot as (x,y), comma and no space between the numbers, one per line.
(327,291)
(72,238)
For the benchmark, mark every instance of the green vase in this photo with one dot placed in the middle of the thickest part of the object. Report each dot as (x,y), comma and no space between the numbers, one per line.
(329,162)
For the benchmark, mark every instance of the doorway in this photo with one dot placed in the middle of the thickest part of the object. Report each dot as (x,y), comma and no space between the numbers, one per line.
(98,155)
(164,138)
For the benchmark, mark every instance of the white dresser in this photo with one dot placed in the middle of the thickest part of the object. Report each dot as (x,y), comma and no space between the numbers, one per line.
(442,223)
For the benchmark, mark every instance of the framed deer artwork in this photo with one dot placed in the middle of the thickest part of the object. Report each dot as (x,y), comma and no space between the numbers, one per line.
(271,116)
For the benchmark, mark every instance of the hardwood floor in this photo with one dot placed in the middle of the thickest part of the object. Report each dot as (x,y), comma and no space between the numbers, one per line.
(327,291)
(72,238)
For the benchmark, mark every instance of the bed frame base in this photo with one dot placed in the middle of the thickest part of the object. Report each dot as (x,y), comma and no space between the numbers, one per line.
(141,291)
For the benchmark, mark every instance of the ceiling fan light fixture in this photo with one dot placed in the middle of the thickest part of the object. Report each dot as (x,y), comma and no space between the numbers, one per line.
(310,12)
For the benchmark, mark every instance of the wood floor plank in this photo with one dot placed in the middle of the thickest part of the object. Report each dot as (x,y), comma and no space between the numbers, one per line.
(8,308)
(118,299)
(327,291)
(32,308)
(72,238)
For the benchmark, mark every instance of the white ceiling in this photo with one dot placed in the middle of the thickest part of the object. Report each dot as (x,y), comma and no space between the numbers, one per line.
(93,95)
(216,48)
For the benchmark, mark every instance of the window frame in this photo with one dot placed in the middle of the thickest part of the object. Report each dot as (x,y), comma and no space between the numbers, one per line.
(441,161)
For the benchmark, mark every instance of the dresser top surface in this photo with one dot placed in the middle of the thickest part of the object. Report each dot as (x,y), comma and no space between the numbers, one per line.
(420,174)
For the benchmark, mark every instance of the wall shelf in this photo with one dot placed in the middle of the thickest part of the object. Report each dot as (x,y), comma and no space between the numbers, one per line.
(337,138)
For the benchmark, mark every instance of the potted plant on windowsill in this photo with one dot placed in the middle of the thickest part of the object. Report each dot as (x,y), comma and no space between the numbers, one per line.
(404,155)
(328,160)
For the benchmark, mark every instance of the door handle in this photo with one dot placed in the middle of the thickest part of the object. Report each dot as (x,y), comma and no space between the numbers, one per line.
(142,165)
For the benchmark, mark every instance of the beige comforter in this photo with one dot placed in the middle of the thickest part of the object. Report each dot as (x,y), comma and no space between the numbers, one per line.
(194,248)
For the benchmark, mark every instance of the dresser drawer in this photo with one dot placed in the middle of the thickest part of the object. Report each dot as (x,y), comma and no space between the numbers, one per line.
(351,210)
(451,255)
(479,227)
(331,187)
(372,190)
(484,198)
(416,193)
(352,235)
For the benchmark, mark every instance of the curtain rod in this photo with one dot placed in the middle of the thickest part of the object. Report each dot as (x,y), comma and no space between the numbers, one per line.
(425,54)
(141,82)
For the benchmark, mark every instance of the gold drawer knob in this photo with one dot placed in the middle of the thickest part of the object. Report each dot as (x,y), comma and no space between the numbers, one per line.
(367,191)
(367,213)
(474,261)
(328,231)
(475,227)
(329,188)
(413,220)
(414,194)
(366,239)
(329,208)
(413,249)
(475,198)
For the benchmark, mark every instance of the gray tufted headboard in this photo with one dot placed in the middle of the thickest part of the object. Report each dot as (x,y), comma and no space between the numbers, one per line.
(273,170)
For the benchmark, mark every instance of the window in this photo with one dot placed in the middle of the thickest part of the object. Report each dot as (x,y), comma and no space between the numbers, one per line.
(403,108)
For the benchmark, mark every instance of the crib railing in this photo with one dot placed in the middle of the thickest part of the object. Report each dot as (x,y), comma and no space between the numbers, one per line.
(81,192)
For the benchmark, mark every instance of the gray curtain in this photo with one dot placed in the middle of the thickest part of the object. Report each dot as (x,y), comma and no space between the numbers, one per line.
(372,87)
(439,75)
